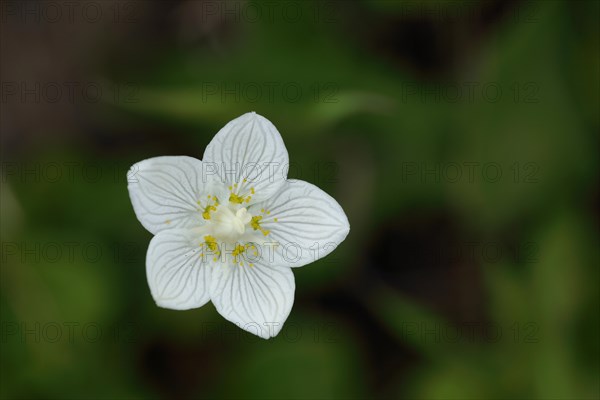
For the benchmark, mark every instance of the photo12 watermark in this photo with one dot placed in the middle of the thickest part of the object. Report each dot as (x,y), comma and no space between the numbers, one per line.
(57,172)
(470,332)
(70,12)
(469,172)
(70,332)
(68,92)
(470,92)
(269,92)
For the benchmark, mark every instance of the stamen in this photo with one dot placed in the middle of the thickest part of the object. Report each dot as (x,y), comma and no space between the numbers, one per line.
(209,207)
(207,210)
(239,249)
(237,199)
(255,224)
(234,198)
(211,243)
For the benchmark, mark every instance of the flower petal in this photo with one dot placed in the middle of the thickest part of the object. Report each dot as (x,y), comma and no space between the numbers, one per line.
(258,299)
(306,223)
(164,192)
(178,275)
(249,152)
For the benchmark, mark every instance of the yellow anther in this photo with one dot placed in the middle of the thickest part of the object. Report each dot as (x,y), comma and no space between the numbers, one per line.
(211,243)
(275,220)
(209,207)
(207,210)
(255,224)
(234,198)
(239,249)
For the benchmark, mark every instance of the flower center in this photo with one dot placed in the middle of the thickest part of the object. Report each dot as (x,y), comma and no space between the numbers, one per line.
(228,224)
(230,230)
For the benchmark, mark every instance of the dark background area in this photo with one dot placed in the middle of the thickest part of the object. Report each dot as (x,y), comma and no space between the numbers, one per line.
(460,137)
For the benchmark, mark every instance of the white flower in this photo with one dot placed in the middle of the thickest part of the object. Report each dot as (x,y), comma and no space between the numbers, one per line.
(230,228)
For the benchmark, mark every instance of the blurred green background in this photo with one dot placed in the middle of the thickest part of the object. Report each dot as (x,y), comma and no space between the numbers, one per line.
(460,137)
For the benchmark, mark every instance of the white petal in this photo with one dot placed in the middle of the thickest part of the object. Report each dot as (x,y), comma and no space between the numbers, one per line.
(178,276)
(164,192)
(251,148)
(310,224)
(258,299)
